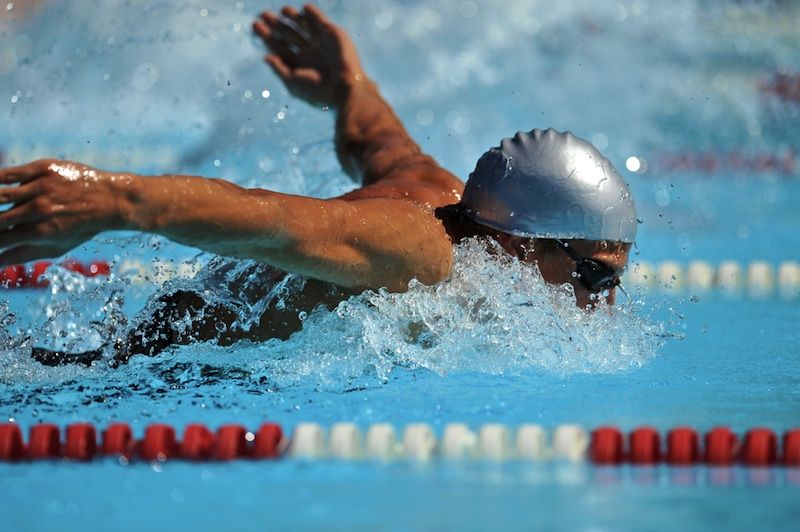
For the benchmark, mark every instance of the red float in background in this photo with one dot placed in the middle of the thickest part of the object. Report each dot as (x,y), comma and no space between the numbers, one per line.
(197,444)
(81,442)
(644,446)
(682,446)
(720,446)
(607,446)
(11,446)
(268,439)
(791,448)
(13,276)
(159,443)
(44,442)
(118,439)
(231,443)
(17,276)
(97,267)
(760,447)
(73,266)
(37,270)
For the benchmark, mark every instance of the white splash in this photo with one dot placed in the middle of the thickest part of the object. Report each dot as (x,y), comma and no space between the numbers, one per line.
(493,315)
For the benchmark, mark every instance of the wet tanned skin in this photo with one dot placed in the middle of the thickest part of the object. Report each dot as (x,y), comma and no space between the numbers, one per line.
(380,235)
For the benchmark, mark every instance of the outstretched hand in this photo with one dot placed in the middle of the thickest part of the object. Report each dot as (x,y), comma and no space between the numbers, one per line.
(55,206)
(316,59)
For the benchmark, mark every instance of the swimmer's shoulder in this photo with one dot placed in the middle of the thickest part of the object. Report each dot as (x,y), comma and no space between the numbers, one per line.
(427,184)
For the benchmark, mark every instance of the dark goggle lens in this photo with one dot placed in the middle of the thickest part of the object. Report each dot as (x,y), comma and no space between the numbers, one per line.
(595,276)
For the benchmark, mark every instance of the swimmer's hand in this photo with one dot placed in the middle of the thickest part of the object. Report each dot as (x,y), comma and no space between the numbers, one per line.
(316,59)
(56,206)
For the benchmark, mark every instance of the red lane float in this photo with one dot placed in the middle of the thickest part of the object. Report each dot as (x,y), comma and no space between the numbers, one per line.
(268,439)
(645,446)
(11,446)
(159,443)
(197,444)
(791,448)
(231,443)
(720,446)
(682,446)
(18,276)
(760,447)
(607,446)
(118,439)
(44,442)
(13,276)
(81,443)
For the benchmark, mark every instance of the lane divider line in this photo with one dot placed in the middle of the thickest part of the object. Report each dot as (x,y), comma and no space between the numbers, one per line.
(605,445)
(754,279)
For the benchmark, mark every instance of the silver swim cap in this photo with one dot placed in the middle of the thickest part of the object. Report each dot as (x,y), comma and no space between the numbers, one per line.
(548,184)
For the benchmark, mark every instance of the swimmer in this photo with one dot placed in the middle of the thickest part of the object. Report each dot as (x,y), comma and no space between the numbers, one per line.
(546,197)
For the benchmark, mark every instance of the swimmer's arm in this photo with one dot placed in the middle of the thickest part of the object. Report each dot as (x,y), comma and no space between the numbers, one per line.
(318,62)
(55,206)
(372,142)
(368,243)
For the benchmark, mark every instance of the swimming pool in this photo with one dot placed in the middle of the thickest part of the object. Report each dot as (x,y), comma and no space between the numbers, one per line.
(682,89)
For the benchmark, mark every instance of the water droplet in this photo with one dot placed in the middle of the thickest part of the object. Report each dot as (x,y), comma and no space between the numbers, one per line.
(265,94)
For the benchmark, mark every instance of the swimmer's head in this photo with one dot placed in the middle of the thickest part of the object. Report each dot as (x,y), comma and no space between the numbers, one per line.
(551,199)
(546,184)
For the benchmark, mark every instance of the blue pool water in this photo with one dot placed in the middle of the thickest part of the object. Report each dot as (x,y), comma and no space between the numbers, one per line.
(156,88)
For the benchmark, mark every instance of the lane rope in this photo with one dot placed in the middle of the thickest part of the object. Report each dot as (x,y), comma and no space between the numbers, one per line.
(605,445)
(756,279)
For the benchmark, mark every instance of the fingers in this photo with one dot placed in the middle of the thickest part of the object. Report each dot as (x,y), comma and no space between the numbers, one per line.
(24,173)
(287,28)
(292,32)
(26,253)
(290,12)
(19,236)
(281,69)
(265,27)
(316,17)
(18,194)
(23,214)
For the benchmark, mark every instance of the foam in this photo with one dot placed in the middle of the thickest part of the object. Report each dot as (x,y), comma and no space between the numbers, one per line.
(493,315)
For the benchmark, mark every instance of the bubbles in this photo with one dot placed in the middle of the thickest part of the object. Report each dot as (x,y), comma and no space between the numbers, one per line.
(144,77)
(384,20)
(265,94)
(662,196)
(636,164)
(425,116)
(457,122)
(600,141)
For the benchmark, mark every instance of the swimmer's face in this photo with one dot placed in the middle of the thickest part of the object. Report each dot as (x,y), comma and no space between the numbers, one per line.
(558,267)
